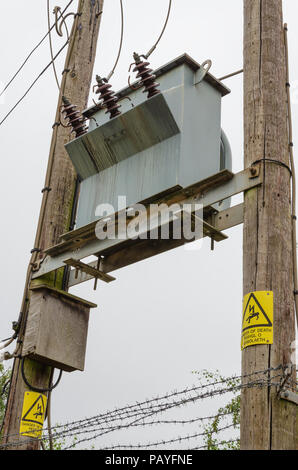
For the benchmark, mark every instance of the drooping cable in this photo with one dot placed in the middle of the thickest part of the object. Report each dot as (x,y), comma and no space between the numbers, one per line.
(292,163)
(51,45)
(33,50)
(49,411)
(37,389)
(120,45)
(162,32)
(26,296)
(33,83)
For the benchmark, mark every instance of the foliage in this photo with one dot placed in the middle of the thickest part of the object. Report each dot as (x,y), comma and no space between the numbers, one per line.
(58,443)
(4,379)
(212,439)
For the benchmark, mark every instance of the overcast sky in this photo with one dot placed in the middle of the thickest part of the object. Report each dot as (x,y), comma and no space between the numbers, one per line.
(169,315)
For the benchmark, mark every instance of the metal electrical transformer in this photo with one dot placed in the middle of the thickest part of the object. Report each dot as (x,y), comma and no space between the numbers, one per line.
(157,145)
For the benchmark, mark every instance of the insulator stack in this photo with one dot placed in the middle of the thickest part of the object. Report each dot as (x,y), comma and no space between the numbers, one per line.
(146,76)
(108,97)
(74,117)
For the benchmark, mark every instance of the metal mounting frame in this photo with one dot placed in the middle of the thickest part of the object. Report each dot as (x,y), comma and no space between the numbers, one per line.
(115,253)
(289,396)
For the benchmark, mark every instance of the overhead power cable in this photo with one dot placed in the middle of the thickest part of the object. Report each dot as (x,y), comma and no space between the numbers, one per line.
(51,44)
(33,50)
(33,83)
(120,45)
(292,164)
(238,72)
(162,32)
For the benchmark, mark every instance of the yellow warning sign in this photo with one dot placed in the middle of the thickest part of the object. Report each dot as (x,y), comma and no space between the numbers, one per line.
(257,319)
(33,414)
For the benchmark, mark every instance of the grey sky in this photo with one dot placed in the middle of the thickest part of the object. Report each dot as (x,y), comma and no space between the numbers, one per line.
(164,317)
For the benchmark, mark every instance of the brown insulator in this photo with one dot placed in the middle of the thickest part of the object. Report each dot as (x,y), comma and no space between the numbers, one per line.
(146,76)
(74,117)
(108,97)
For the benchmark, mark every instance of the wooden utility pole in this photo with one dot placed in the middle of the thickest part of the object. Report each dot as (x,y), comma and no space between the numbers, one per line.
(57,203)
(267,423)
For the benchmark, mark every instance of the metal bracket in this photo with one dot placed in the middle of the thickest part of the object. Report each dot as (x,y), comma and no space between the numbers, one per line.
(216,222)
(209,230)
(202,72)
(254,171)
(289,396)
(86,268)
(81,243)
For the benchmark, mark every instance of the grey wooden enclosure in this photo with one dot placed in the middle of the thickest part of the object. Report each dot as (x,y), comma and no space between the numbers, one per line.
(57,326)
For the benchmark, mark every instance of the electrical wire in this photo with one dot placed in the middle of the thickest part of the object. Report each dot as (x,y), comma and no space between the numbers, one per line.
(59,28)
(32,84)
(33,50)
(37,389)
(51,44)
(238,72)
(49,411)
(120,45)
(25,299)
(292,163)
(6,343)
(162,32)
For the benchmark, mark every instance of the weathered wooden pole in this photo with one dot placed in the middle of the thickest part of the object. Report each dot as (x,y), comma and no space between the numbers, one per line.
(266,421)
(57,203)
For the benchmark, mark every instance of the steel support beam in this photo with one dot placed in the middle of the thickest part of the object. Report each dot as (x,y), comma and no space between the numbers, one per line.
(238,183)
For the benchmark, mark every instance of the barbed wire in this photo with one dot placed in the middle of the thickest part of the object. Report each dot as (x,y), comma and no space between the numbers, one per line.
(162,442)
(149,410)
(114,420)
(230,441)
(188,400)
(155,409)
(123,412)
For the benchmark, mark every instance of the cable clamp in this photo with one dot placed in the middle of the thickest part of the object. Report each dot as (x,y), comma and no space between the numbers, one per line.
(46,188)
(65,71)
(56,124)
(35,250)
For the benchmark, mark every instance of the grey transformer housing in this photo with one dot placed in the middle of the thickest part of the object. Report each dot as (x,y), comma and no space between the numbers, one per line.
(156,146)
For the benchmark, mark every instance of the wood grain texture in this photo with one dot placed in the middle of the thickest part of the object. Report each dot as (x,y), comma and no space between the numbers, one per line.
(266,422)
(56,331)
(57,204)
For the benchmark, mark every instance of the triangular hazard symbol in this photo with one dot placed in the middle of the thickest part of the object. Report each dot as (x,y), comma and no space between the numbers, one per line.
(35,414)
(254,315)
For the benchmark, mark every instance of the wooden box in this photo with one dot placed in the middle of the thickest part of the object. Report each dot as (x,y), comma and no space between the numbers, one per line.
(57,327)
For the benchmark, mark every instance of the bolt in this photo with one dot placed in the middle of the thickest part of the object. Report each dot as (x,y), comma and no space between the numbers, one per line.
(253,171)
